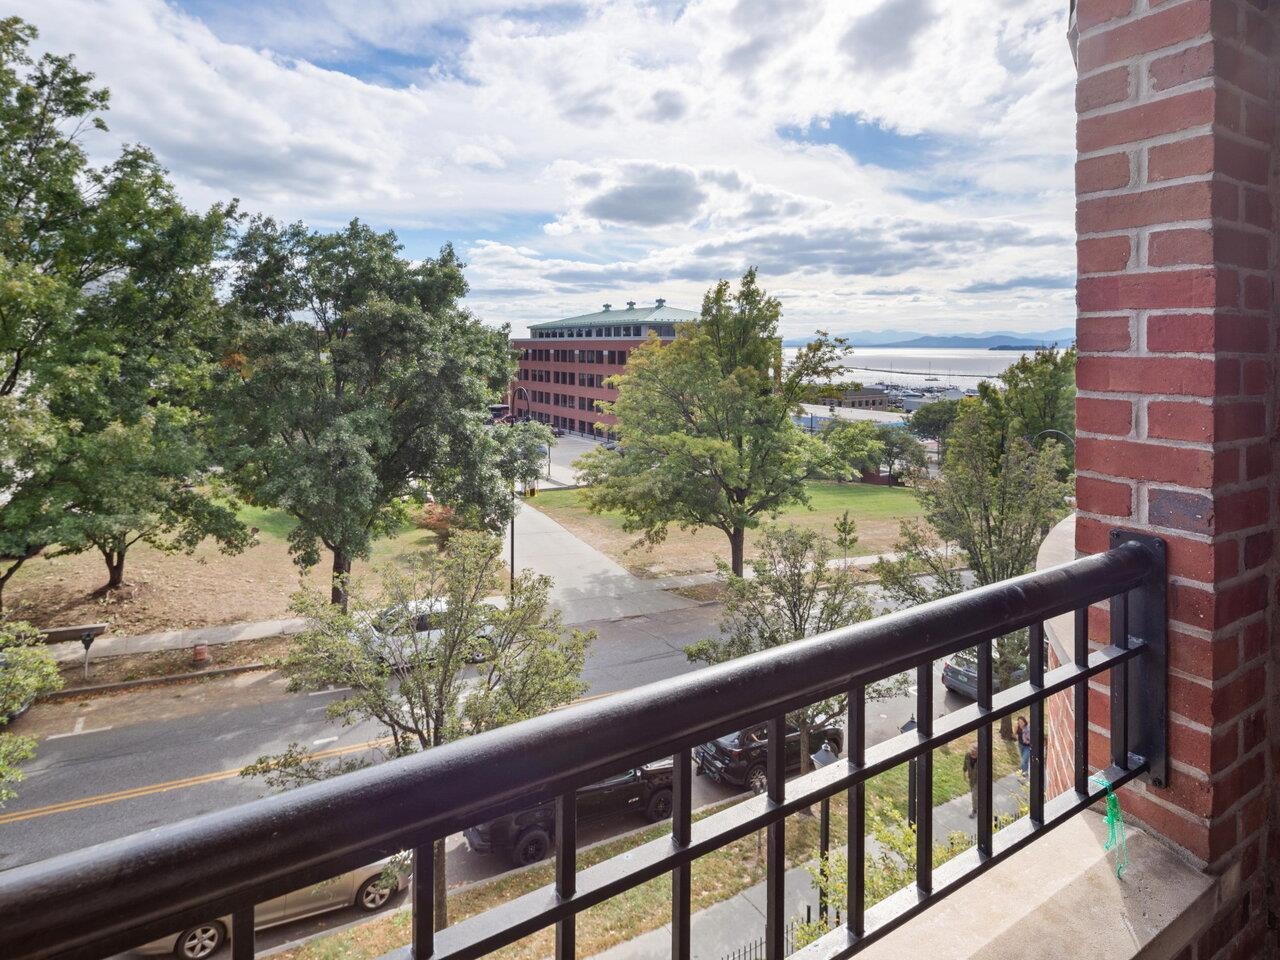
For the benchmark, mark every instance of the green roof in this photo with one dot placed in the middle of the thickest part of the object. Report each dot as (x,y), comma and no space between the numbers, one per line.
(652,314)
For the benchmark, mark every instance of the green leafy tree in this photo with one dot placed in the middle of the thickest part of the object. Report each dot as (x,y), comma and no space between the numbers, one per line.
(1039,398)
(420,685)
(933,421)
(903,453)
(136,467)
(28,671)
(855,446)
(994,502)
(66,228)
(356,386)
(145,482)
(706,424)
(524,445)
(795,592)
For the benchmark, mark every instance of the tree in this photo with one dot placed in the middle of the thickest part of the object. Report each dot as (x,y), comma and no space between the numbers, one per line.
(144,482)
(418,685)
(933,421)
(795,592)
(706,423)
(525,446)
(66,228)
(995,501)
(855,446)
(136,467)
(356,385)
(903,453)
(28,671)
(1039,398)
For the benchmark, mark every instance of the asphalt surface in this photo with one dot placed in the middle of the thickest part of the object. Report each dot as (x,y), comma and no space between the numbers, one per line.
(113,766)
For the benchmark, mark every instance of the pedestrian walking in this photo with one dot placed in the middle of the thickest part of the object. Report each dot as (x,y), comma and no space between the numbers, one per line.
(971,774)
(1022,732)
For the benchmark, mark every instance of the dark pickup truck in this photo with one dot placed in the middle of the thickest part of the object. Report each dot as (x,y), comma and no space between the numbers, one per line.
(526,837)
(739,757)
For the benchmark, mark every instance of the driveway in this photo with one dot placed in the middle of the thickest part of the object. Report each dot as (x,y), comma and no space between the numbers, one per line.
(588,584)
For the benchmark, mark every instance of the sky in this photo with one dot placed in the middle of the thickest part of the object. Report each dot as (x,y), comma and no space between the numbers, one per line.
(899,164)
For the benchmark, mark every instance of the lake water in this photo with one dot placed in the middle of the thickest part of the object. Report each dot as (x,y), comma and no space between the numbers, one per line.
(912,367)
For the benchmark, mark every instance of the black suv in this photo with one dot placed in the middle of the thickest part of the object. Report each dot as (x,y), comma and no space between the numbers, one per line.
(526,837)
(739,757)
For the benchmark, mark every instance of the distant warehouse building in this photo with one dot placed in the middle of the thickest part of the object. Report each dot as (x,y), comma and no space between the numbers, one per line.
(863,398)
(562,364)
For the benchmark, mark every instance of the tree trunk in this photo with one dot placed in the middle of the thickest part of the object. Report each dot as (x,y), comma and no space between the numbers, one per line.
(341,573)
(737,544)
(440,889)
(115,567)
(1006,727)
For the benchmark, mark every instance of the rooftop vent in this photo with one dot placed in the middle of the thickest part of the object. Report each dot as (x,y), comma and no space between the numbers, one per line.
(660,302)
(631,304)
(608,307)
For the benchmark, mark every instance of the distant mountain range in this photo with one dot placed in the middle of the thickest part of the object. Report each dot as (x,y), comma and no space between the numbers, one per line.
(1062,336)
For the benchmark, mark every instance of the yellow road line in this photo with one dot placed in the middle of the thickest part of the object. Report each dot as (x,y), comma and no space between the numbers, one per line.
(67,806)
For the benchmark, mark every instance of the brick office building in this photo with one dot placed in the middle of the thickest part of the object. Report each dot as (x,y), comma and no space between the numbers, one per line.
(563,363)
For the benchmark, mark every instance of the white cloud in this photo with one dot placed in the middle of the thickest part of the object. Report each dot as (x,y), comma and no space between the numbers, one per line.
(633,143)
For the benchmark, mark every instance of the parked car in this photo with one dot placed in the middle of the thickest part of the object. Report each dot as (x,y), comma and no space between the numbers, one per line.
(557,431)
(739,758)
(425,618)
(960,674)
(526,837)
(368,888)
(612,445)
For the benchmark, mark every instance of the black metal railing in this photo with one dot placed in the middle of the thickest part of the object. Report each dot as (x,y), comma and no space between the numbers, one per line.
(93,902)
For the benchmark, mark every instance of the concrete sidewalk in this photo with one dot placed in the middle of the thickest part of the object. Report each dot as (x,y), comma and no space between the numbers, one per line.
(588,584)
(73,652)
(731,924)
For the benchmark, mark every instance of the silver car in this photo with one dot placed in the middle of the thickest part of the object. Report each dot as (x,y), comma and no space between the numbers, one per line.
(368,888)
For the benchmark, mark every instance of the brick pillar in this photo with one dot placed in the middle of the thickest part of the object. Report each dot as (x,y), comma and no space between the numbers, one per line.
(1176,409)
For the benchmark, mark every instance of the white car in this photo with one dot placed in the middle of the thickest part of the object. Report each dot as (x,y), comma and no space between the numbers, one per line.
(368,888)
(424,618)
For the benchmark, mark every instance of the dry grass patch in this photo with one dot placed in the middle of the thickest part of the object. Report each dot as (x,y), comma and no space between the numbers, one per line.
(878,511)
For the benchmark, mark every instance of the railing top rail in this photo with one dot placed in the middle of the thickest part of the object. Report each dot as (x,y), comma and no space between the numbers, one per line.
(155,881)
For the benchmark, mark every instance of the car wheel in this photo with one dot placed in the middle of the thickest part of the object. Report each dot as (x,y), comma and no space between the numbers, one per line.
(659,806)
(202,940)
(757,779)
(531,846)
(374,893)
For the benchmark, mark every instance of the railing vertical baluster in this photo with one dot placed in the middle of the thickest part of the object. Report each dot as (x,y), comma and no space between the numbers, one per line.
(566,870)
(775,844)
(242,934)
(984,806)
(856,822)
(924,780)
(1035,776)
(1081,694)
(1120,683)
(423,908)
(681,832)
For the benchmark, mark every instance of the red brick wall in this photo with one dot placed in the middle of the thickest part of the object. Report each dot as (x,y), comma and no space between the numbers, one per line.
(1176,411)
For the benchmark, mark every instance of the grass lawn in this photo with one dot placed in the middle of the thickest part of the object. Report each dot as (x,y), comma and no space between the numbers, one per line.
(716,876)
(176,591)
(878,511)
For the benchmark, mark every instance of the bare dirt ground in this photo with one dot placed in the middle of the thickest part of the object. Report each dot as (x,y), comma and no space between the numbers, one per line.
(162,592)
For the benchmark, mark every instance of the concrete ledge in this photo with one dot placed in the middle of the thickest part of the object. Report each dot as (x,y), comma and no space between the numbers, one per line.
(1060,897)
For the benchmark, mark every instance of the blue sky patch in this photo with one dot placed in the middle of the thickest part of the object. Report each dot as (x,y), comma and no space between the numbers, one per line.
(869,142)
